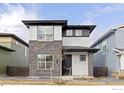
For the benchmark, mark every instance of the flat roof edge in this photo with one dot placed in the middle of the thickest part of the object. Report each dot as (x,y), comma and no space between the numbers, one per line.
(38,22)
(13,36)
(6,48)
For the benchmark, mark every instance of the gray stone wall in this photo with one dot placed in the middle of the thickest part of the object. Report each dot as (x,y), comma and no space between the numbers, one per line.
(90,64)
(54,47)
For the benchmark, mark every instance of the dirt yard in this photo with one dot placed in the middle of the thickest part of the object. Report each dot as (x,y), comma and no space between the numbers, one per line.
(35,81)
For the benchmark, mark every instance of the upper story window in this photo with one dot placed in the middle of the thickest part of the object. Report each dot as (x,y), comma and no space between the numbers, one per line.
(45,33)
(78,32)
(104,48)
(69,33)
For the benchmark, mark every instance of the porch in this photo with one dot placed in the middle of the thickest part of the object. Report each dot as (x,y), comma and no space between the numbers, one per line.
(77,61)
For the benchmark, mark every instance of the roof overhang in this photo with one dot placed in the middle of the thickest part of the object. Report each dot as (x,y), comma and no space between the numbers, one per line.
(79,49)
(44,22)
(7,49)
(13,36)
(119,51)
(103,37)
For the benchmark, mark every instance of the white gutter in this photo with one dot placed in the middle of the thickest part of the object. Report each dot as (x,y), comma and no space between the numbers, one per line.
(118,53)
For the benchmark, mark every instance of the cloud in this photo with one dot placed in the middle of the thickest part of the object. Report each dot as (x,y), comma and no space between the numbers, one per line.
(87,22)
(11,16)
(99,11)
(92,17)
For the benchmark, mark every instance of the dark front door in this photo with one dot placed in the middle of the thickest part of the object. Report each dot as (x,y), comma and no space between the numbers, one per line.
(67,65)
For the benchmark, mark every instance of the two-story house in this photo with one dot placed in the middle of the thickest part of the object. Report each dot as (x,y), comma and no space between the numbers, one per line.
(111,53)
(59,48)
(13,52)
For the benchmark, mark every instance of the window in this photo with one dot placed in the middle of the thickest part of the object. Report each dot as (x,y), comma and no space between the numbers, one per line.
(45,61)
(78,32)
(69,33)
(85,33)
(82,57)
(45,33)
(104,48)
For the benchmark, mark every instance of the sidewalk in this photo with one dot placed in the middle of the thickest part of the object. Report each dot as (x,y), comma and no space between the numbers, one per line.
(36,81)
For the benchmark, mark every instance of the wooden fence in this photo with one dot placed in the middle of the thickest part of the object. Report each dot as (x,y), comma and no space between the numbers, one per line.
(100,71)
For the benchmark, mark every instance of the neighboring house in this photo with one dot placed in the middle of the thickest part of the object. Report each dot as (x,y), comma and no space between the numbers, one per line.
(111,46)
(59,49)
(13,52)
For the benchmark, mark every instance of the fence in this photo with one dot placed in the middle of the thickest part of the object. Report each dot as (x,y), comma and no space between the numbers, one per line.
(100,71)
(17,71)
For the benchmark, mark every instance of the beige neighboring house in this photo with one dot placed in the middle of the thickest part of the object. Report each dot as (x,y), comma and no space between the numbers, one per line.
(13,52)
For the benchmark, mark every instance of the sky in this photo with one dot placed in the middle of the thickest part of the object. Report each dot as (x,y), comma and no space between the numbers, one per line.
(104,16)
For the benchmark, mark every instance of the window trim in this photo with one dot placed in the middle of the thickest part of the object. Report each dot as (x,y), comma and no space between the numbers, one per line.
(45,62)
(45,34)
(83,55)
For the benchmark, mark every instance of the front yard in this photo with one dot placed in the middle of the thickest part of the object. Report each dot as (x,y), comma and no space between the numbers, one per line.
(29,81)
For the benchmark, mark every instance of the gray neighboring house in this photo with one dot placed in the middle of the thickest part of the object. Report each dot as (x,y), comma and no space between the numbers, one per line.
(59,49)
(111,53)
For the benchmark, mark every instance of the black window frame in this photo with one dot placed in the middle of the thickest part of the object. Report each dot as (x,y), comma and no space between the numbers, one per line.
(83,56)
(74,33)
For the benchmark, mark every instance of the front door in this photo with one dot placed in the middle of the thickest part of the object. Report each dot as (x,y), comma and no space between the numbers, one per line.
(67,65)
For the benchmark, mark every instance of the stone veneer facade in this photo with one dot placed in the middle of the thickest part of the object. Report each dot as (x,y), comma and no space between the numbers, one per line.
(90,64)
(52,47)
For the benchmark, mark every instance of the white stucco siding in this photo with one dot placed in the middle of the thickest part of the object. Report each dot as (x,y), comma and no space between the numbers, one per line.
(57,32)
(79,67)
(33,33)
(76,41)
